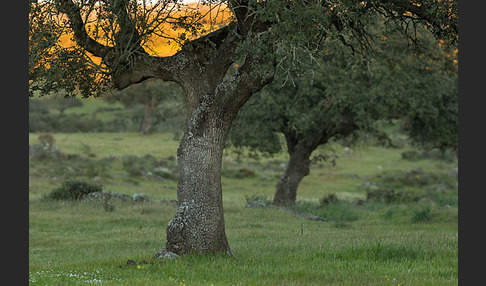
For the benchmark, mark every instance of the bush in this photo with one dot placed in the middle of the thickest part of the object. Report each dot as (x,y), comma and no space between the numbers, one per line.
(422,215)
(138,165)
(76,123)
(255,201)
(39,122)
(68,123)
(411,155)
(388,195)
(46,138)
(331,198)
(72,190)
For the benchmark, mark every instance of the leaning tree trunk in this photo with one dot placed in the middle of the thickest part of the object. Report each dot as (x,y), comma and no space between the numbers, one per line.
(297,168)
(300,150)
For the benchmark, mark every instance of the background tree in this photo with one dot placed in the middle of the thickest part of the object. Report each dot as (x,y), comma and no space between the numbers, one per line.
(150,94)
(260,37)
(62,103)
(349,97)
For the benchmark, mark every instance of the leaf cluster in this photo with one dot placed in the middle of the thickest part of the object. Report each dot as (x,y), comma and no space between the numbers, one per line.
(339,90)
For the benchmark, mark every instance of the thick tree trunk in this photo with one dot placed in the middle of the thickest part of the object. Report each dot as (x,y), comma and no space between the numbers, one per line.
(297,168)
(198,226)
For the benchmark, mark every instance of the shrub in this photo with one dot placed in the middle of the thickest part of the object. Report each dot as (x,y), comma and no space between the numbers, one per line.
(38,106)
(136,165)
(93,168)
(331,198)
(39,122)
(76,123)
(411,155)
(388,195)
(422,215)
(256,200)
(415,177)
(72,190)
(46,138)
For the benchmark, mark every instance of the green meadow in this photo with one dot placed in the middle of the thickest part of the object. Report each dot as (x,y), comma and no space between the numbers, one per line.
(393,221)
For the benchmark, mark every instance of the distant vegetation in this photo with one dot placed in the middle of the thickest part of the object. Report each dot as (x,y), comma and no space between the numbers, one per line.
(98,115)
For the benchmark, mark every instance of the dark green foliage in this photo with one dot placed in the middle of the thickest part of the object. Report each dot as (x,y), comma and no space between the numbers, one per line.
(45,116)
(72,190)
(38,106)
(411,155)
(341,95)
(64,123)
(62,103)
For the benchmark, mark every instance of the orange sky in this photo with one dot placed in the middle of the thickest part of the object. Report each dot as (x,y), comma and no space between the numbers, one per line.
(159,46)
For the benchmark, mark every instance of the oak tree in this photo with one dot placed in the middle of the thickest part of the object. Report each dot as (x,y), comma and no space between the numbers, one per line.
(349,98)
(112,49)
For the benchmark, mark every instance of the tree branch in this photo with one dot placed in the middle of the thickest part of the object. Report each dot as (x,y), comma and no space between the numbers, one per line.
(82,38)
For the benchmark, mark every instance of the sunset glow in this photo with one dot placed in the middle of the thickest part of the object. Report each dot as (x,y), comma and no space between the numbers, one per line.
(212,18)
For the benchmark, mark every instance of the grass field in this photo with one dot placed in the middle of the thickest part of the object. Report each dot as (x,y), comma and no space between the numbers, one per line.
(364,242)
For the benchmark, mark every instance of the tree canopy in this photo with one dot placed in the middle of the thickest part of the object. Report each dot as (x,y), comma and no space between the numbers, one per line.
(349,96)
(85,47)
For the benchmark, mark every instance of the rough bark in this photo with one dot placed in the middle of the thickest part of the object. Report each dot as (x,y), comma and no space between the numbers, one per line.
(198,225)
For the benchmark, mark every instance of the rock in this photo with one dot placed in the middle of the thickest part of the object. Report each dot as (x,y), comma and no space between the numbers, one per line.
(45,151)
(257,204)
(106,195)
(140,198)
(165,254)
(369,185)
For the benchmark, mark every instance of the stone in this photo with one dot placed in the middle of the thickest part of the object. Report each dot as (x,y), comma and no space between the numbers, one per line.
(165,254)
(106,195)
(140,198)
(45,151)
